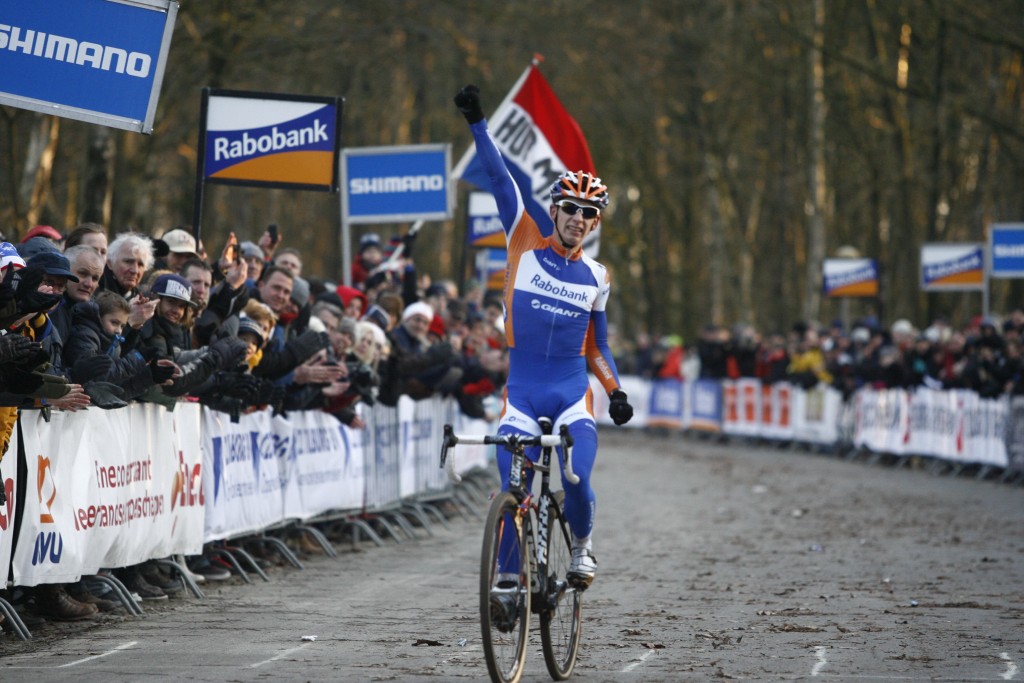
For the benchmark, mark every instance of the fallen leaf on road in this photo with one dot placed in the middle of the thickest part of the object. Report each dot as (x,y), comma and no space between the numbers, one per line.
(653,646)
(425,641)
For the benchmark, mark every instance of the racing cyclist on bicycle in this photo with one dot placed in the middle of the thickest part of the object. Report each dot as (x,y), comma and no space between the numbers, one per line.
(556,326)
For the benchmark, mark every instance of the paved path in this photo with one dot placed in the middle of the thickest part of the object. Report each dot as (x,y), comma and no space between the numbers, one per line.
(726,561)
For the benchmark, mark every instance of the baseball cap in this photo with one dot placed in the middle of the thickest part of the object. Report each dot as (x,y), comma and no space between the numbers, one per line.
(53,263)
(180,241)
(174,287)
(47,231)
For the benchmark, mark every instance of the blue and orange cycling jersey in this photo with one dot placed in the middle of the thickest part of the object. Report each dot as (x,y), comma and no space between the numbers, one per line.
(555,319)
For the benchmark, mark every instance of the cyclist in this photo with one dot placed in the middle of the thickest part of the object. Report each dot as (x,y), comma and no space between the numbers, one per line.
(555,323)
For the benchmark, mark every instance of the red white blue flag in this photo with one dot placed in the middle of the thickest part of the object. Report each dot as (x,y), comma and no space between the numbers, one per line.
(539,140)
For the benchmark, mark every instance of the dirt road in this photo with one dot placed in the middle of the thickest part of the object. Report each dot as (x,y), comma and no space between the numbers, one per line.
(716,561)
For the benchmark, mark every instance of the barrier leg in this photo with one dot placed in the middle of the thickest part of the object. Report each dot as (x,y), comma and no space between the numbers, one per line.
(230,559)
(249,559)
(319,538)
(361,526)
(122,593)
(14,620)
(459,497)
(434,510)
(282,547)
(414,510)
(186,577)
(388,527)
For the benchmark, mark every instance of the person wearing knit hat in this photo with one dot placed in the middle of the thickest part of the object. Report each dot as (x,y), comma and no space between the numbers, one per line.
(300,292)
(253,257)
(420,309)
(355,302)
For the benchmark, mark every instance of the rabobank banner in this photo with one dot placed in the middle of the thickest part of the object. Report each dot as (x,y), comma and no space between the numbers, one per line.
(850,277)
(100,61)
(270,140)
(1006,241)
(396,184)
(952,266)
(485,228)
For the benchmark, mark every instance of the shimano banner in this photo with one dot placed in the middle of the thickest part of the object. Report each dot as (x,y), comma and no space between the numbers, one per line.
(396,184)
(100,61)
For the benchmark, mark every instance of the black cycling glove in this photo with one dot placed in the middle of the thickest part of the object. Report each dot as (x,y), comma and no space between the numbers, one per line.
(619,409)
(468,102)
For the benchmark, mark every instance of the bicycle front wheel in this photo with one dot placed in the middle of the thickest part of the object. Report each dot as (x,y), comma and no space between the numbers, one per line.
(505,589)
(561,617)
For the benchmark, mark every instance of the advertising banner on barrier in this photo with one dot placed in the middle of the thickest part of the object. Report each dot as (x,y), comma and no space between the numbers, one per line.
(407,463)
(100,61)
(984,429)
(816,415)
(666,404)
(322,471)
(244,460)
(9,484)
(952,266)
(108,489)
(741,407)
(777,411)
(270,139)
(706,403)
(882,420)
(1015,435)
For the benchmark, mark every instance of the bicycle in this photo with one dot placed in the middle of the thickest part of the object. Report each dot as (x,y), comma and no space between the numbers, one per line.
(515,584)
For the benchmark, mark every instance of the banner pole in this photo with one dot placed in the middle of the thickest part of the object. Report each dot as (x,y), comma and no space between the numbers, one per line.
(197,202)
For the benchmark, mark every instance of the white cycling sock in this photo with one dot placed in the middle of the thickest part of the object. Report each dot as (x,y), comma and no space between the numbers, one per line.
(581,542)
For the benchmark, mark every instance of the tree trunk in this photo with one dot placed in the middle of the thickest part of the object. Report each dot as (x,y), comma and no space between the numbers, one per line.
(816,170)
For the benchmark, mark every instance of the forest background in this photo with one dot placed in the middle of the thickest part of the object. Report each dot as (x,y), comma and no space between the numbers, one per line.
(744,141)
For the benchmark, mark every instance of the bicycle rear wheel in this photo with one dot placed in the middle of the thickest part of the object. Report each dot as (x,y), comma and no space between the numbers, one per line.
(505,589)
(561,617)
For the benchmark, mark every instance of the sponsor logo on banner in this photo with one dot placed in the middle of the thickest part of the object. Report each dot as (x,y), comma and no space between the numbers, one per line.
(187,484)
(1007,248)
(952,266)
(49,545)
(850,277)
(275,141)
(485,228)
(7,510)
(100,61)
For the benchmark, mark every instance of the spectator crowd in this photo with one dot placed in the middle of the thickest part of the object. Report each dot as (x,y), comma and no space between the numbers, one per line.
(984,356)
(94,321)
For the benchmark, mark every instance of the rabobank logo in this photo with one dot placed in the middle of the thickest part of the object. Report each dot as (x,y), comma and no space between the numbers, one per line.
(270,141)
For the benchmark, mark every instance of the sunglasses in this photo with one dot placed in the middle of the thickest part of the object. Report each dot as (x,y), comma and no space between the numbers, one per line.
(571,209)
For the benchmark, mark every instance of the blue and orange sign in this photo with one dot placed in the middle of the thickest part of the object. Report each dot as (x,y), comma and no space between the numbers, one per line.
(850,277)
(953,266)
(271,140)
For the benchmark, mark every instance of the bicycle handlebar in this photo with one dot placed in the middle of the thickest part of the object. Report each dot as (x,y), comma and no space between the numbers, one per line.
(563,439)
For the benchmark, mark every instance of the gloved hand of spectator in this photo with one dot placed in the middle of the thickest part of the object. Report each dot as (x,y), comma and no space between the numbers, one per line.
(468,102)
(619,409)
(28,296)
(105,395)
(147,354)
(21,382)
(240,385)
(308,343)
(226,353)
(161,373)
(91,368)
(272,395)
(16,348)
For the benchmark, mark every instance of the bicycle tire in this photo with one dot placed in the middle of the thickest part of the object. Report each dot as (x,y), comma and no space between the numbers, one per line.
(505,647)
(561,618)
